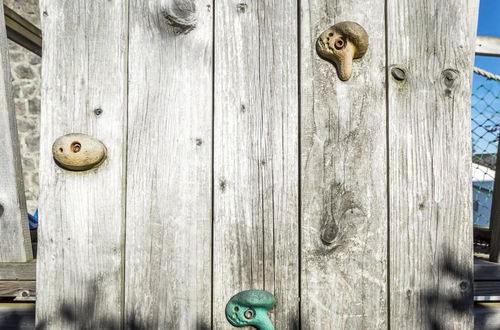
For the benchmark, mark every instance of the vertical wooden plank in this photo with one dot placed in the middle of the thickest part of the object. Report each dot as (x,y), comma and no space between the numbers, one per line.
(169,167)
(79,271)
(429,163)
(343,157)
(15,242)
(256,155)
(495,215)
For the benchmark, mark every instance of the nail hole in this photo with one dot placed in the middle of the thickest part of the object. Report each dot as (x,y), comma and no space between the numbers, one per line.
(76,146)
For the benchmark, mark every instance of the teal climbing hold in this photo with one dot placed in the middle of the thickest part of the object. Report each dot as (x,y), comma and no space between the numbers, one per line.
(250,308)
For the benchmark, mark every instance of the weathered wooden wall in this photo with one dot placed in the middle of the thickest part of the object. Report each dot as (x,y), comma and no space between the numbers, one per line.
(238,160)
(15,242)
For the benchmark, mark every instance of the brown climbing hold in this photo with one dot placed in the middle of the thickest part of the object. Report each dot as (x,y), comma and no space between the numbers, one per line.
(342,43)
(78,152)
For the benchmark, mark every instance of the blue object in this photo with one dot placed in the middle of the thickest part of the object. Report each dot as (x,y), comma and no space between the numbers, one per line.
(33,220)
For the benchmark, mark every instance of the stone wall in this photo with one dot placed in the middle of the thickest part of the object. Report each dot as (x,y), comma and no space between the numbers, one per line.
(26,69)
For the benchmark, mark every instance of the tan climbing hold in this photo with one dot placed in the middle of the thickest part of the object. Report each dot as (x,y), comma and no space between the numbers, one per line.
(78,152)
(342,43)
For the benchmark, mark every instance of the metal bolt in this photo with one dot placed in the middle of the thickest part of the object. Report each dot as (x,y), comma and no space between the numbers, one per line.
(76,147)
(464,285)
(249,314)
(398,74)
(98,111)
(339,44)
(1,210)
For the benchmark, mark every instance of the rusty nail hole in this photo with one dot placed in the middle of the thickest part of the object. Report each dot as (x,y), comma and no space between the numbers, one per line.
(339,44)
(76,147)
(1,210)
(98,111)
(398,74)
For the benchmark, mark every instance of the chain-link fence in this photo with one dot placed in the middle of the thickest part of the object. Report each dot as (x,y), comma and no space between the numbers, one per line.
(485,135)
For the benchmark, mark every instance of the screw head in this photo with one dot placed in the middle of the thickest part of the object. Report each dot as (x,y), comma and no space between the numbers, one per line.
(339,44)
(249,314)
(76,147)
(398,74)
(98,111)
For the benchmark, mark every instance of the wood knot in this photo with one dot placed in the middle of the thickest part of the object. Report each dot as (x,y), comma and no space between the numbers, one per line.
(450,77)
(329,230)
(181,15)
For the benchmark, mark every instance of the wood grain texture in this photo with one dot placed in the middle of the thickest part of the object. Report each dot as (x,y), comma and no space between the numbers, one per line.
(487,46)
(80,235)
(429,163)
(486,271)
(18,271)
(17,288)
(15,243)
(168,242)
(256,155)
(343,190)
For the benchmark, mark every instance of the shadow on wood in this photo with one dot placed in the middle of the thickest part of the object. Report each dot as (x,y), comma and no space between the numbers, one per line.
(440,302)
(86,317)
